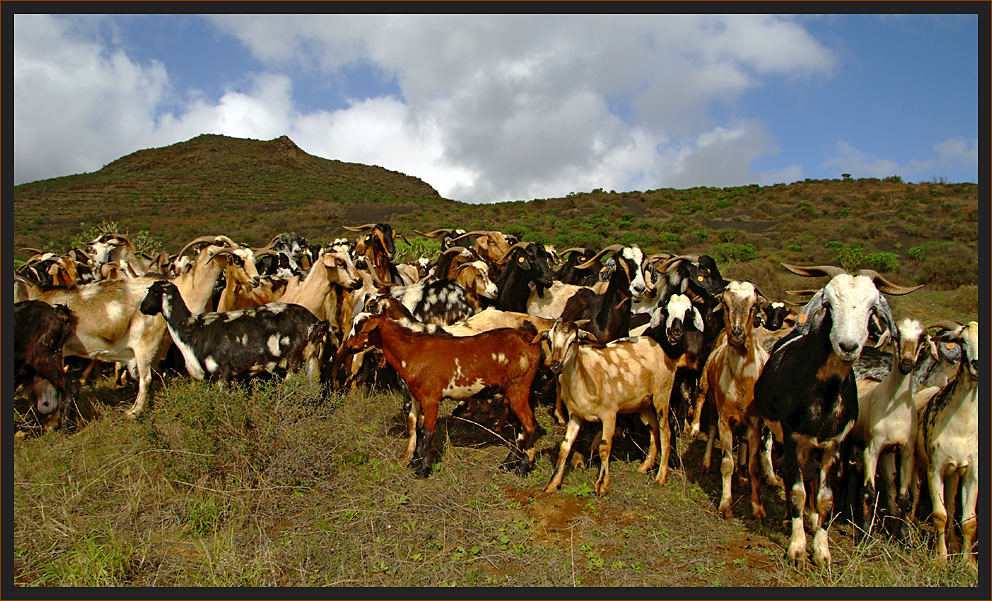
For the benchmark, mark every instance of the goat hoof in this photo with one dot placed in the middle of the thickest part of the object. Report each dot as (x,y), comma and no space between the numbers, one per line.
(725,512)
(523,466)
(758,513)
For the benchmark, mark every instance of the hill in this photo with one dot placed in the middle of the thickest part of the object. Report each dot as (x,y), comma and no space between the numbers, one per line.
(248,189)
(252,190)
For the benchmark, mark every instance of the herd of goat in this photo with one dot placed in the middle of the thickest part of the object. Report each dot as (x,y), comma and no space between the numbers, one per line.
(600,334)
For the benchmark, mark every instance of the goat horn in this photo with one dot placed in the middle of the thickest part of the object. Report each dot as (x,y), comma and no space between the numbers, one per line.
(814,271)
(807,292)
(885,285)
(195,241)
(473,233)
(360,228)
(435,233)
(658,257)
(223,251)
(594,260)
(34,250)
(261,252)
(578,249)
(506,257)
(943,325)
(675,259)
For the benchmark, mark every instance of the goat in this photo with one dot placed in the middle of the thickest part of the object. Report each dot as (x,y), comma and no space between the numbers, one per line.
(887,421)
(523,265)
(115,248)
(806,392)
(570,273)
(491,245)
(444,302)
(727,383)
(378,244)
(110,327)
(448,236)
(947,445)
(321,291)
(442,366)
(607,314)
(40,331)
(276,336)
(595,383)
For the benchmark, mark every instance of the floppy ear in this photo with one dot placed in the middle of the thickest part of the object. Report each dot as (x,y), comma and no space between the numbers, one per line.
(697,318)
(805,319)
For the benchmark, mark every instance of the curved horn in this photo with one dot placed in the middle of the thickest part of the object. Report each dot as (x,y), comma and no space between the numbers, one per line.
(594,260)
(34,250)
(261,252)
(472,233)
(577,249)
(223,251)
(509,252)
(807,292)
(814,271)
(658,257)
(360,228)
(885,285)
(436,233)
(195,241)
(944,325)
(675,259)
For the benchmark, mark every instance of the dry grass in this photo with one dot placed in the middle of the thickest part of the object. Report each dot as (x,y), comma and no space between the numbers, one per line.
(285,484)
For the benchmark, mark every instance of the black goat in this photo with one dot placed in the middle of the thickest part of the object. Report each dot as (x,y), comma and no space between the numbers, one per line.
(524,263)
(267,338)
(607,315)
(807,395)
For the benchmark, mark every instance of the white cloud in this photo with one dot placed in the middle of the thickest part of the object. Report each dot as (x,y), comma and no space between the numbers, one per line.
(491,107)
(77,105)
(953,153)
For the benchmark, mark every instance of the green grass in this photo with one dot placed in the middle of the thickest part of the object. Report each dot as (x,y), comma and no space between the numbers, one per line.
(288,484)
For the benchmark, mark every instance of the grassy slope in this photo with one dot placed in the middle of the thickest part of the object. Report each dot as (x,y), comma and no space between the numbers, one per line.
(252,190)
(277,487)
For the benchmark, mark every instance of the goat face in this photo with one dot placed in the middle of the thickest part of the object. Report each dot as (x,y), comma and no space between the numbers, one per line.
(677,314)
(563,340)
(911,339)
(631,260)
(475,278)
(741,301)
(851,302)
(340,269)
(775,314)
(385,236)
(704,277)
(152,302)
(967,336)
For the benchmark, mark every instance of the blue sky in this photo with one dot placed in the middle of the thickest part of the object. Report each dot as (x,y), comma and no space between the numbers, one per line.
(508,107)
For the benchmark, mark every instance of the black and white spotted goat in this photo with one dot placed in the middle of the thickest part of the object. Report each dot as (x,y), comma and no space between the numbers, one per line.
(807,395)
(272,338)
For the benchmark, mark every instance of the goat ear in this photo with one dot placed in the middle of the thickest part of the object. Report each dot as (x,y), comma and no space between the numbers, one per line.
(883,305)
(697,318)
(805,319)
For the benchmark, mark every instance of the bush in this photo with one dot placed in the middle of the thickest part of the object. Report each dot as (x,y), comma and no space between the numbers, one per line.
(727,252)
(881,261)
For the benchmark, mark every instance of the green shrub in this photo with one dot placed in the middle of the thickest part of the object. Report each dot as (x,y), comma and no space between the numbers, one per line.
(728,235)
(727,252)
(881,261)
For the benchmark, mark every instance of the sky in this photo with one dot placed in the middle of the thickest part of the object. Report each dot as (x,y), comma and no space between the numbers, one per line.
(490,108)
